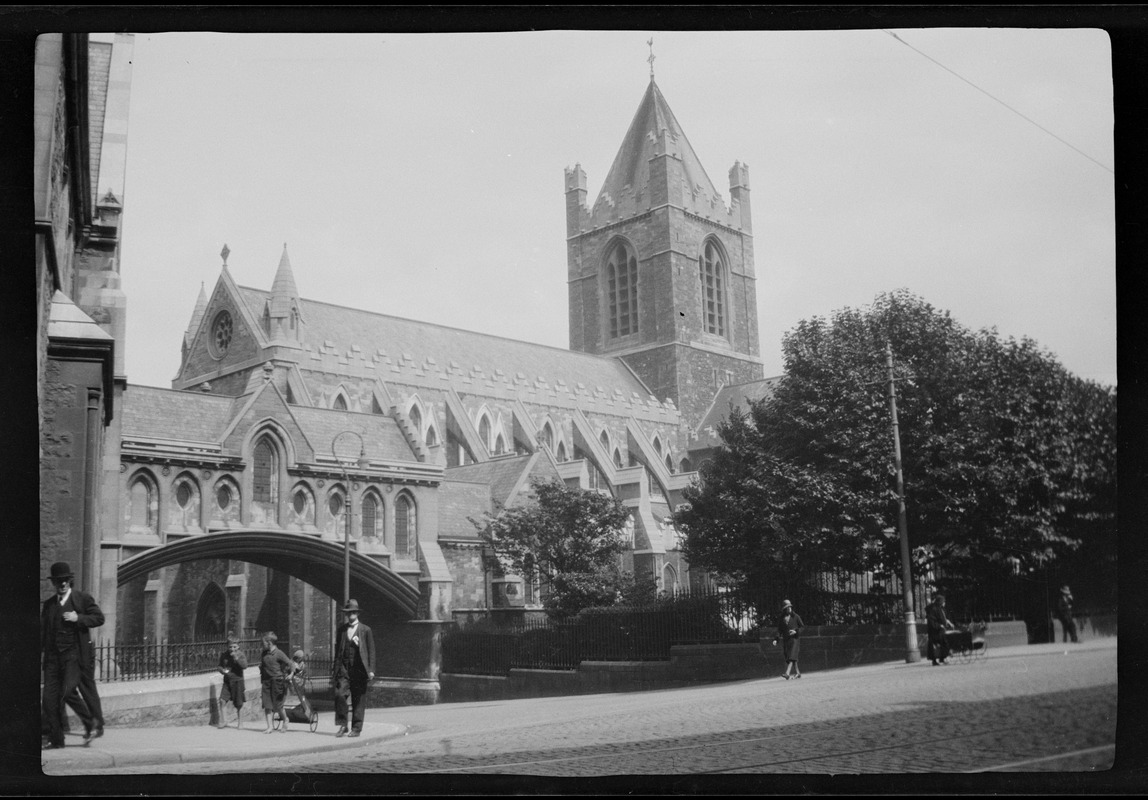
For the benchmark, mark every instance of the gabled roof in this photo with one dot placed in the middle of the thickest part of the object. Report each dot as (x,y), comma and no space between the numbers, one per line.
(630,171)
(738,396)
(503,475)
(341,329)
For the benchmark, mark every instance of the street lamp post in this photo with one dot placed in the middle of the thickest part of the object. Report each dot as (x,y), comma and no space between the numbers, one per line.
(912,651)
(362,464)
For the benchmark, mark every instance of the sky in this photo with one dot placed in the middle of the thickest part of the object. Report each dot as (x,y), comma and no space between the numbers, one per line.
(421,175)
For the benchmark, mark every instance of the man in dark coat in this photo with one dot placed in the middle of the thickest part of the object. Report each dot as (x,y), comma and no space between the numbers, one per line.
(1064,614)
(937,623)
(69,658)
(354,668)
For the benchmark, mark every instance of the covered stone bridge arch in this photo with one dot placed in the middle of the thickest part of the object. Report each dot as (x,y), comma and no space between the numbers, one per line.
(382,593)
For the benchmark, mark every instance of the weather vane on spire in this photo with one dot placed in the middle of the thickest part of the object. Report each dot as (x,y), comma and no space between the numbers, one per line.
(652,57)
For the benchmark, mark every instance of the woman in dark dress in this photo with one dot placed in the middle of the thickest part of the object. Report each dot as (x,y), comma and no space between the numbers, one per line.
(789,627)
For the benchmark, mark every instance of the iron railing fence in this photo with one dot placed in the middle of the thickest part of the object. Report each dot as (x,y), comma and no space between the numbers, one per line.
(613,634)
(714,615)
(163,659)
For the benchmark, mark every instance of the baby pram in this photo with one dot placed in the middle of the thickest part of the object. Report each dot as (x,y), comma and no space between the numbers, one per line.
(301,710)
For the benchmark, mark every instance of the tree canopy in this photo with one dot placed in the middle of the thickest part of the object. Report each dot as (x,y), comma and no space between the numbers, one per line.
(1006,455)
(567,539)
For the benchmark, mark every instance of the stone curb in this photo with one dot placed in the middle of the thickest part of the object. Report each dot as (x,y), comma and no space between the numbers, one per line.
(109,753)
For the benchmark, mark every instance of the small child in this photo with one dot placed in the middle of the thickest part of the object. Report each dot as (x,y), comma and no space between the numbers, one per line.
(231,665)
(300,665)
(275,669)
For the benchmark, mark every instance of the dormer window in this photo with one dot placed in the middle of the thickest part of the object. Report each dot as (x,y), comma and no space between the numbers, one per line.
(622,290)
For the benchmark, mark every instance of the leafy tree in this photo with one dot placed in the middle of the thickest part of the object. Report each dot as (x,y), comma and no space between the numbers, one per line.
(1006,456)
(568,539)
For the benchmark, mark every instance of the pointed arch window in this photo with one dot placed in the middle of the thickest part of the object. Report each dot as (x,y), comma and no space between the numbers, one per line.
(604,438)
(713,269)
(265,473)
(561,455)
(142,511)
(432,438)
(484,430)
(340,403)
(405,529)
(370,521)
(546,439)
(416,418)
(622,290)
(499,445)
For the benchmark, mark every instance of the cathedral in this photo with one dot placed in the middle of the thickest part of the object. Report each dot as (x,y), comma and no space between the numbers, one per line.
(303,429)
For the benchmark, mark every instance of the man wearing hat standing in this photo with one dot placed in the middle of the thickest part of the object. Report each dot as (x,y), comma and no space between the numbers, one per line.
(69,658)
(1064,614)
(354,668)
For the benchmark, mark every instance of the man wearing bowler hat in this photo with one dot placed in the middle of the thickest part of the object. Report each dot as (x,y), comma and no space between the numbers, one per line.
(69,657)
(354,668)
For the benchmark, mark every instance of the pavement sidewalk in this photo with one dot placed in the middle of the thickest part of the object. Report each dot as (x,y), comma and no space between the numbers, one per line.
(188,743)
(198,743)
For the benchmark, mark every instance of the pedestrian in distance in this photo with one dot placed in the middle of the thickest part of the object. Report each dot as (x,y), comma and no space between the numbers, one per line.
(937,624)
(69,657)
(1064,614)
(275,668)
(353,670)
(789,627)
(232,662)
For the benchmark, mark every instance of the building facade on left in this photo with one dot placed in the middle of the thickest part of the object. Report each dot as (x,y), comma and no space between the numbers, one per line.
(82,92)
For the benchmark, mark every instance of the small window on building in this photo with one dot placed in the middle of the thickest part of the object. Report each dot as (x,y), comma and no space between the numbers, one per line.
(432,438)
(546,438)
(340,403)
(561,455)
(416,418)
(299,502)
(183,494)
(370,515)
(222,330)
(335,504)
(405,529)
(484,431)
(223,497)
(265,473)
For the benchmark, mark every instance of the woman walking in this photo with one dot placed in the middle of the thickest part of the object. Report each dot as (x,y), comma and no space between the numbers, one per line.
(789,627)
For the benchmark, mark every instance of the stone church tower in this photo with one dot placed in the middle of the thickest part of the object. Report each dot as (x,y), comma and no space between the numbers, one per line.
(660,270)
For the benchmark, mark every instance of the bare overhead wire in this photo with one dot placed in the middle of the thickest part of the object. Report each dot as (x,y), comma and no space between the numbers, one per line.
(1002,102)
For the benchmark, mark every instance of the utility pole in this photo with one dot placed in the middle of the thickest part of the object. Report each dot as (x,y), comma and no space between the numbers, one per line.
(912,651)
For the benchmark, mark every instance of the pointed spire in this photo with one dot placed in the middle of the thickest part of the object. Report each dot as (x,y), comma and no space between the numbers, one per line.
(655,132)
(197,314)
(284,302)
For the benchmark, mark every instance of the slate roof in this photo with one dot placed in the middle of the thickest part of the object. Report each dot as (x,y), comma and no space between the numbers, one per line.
(397,337)
(382,438)
(630,171)
(155,413)
(739,396)
(501,474)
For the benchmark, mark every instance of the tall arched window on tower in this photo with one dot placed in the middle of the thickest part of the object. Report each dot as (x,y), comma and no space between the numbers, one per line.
(622,290)
(266,473)
(713,288)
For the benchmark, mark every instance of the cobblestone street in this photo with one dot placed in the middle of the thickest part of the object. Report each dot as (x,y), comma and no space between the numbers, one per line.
(1025,709)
